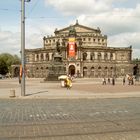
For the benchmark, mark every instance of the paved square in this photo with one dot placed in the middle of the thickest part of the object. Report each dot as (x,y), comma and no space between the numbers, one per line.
(88,111)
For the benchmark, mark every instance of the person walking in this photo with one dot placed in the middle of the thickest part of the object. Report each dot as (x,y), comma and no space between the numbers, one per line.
(104,81)
(123,80)
(68,83)
(108,80)
(113,81)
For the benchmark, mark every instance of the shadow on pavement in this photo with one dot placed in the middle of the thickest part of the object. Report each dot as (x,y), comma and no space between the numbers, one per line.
(36,93)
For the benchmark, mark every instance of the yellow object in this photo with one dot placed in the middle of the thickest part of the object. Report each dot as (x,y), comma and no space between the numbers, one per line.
(69,83)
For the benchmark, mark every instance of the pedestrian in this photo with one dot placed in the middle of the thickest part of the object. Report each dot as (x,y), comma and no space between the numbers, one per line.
(19,79)
(123,80)
(104,81)
(113,81)
(68,83)
(108,80)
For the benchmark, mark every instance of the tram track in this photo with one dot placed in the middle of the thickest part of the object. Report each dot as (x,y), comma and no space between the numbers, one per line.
(31,131)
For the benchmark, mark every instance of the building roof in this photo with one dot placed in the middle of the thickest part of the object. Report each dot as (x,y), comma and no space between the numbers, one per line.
(79,28)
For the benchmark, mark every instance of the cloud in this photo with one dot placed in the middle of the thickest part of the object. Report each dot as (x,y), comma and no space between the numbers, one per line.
(98,13)
(9,42)
(115,21)
(35,33)
(126,40)
(70,7)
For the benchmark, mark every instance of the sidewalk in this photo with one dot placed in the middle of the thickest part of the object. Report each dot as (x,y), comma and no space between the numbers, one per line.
(82,88)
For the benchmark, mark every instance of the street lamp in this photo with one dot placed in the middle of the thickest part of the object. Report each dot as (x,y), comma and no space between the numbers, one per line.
(23,45)
(80,45)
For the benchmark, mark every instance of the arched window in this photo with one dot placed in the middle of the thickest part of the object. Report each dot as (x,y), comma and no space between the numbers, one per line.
(99,56)
(92,73)
(84,71)
(47,57)
(99,71)
(111,56)
(105,72)
(84,56)
(111,71)
(42,58)
(99,68)
(105,56)
(92,56)
(105,68)
(92,68)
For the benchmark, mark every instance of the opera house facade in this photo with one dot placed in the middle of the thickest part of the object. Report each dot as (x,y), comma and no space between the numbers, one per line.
(84,52)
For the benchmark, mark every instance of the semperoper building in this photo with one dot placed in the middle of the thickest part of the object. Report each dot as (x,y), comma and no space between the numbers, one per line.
(84,52)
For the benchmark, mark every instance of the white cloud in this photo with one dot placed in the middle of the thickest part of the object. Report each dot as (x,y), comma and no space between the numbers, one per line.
(35,33)
(103,14)
(126,40)
(115,21)
(70,7)
(9,42)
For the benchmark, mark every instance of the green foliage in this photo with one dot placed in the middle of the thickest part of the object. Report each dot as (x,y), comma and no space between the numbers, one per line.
(136,61)
(6,60)
(3,67)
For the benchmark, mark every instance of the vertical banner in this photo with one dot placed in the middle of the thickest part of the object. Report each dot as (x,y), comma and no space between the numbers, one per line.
(71,47)
(20,71)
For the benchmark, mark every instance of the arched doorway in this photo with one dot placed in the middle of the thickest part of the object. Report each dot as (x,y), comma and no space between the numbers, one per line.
(135,70)
(92,72)
(16,72)
(72,70)
(84,71)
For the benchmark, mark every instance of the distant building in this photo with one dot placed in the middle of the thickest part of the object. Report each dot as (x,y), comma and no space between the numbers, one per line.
(84,51)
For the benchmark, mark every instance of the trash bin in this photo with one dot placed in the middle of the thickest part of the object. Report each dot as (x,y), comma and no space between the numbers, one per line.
(12,93)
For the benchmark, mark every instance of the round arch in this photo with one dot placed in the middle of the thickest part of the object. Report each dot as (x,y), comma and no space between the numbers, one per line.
(72,70)
(16,72)
(84,71)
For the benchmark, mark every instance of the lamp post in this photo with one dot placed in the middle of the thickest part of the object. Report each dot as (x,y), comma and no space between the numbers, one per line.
(23,45)
(80,45)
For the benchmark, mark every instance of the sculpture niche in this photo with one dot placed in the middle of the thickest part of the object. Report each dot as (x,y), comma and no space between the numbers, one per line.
(56,67)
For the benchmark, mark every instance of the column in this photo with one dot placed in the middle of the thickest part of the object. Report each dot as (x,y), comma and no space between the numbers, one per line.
(96,55)
(88,55)
(50,56)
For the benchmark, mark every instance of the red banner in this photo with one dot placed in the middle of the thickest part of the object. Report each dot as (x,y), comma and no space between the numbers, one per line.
(71,49)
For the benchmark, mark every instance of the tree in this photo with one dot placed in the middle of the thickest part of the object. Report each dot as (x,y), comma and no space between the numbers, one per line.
(136,61)
(6,61)
(3,67)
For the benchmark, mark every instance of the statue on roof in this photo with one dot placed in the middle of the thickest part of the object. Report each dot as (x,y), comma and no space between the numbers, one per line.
(58,49)
(72,31)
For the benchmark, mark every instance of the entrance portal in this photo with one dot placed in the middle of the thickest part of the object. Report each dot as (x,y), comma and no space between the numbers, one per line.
(72,70)
(135,70)
(16,72)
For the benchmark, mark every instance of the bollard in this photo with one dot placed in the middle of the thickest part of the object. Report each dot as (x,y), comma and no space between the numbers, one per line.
(12,93)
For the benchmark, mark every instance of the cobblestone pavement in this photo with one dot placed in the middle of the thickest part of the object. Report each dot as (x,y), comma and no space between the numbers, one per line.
(70,119)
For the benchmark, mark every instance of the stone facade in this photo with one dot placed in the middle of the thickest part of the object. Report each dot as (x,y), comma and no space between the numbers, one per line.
(93,57)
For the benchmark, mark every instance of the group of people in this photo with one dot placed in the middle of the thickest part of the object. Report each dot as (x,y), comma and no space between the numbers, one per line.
(128,79)
(108,81)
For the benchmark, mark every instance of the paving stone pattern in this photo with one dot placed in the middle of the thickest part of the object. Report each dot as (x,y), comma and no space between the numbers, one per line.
(75,119)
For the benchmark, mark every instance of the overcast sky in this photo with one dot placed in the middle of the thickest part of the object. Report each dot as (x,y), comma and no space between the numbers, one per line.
(118,19)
